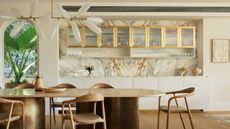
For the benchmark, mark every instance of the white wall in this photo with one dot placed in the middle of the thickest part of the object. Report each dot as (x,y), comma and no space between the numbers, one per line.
(219,73)
(211,28)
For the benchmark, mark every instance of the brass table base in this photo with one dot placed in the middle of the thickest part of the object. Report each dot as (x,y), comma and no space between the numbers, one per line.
(121,113)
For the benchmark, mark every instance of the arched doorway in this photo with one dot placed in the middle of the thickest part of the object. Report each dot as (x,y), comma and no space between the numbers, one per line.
(20,53)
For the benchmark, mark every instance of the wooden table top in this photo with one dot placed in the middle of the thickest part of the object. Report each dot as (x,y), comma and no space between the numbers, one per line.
(78,92)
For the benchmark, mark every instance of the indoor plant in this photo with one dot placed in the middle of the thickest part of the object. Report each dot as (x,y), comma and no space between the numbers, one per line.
(19,52)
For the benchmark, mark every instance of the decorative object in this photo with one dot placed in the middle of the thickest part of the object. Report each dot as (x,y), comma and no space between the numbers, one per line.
(89,68)
(38,83)
(182,71)
(220,50)
(196,71)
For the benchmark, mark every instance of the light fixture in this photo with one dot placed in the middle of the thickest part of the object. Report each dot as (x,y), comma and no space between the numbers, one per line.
(91,22)
(16,14)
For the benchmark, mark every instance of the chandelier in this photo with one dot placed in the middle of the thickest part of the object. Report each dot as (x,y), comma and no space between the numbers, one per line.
(91,22)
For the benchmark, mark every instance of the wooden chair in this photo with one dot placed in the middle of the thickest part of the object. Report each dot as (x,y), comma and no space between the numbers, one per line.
(24,86)
(101,85)
(56,104)
(181,94)
(7,118)
(84,118)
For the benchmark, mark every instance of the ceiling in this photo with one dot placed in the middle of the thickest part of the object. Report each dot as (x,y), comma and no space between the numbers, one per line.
(162,1)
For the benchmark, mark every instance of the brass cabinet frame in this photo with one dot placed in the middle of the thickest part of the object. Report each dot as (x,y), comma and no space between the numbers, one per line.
(194,37)
(162,37)
(131,37)
(132,45)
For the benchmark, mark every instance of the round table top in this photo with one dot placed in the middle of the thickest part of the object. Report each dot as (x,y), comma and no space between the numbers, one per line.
(108,92)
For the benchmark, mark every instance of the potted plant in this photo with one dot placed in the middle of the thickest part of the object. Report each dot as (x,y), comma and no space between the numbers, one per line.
(20,54)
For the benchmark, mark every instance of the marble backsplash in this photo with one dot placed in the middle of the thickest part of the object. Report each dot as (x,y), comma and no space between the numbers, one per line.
(124,67)
(73,66)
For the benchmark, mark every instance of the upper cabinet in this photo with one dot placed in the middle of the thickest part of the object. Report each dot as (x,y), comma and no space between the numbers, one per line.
(123,37)
(171,37)
(136,37)
(139,37)
(90,39)
(156,37)
(107,38)
(187,37)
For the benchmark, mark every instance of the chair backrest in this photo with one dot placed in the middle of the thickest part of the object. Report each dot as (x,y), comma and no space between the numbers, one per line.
(90,98)
(188,91)
(65,85)
(101,85)
(24,86)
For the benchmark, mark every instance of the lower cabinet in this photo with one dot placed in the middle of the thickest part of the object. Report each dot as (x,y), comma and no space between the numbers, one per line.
(200,100)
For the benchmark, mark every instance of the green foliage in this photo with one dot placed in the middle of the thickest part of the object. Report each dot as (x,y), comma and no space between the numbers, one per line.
(19,51)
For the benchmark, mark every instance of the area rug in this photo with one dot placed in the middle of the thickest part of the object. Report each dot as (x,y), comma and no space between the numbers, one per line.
(222,118)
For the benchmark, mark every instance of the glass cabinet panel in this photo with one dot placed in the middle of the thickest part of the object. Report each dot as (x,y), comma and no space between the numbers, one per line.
(187,37)
(171,37)
(90,38)
(139,37)
(107,37)
(123,36)
(155,37)
(71,41)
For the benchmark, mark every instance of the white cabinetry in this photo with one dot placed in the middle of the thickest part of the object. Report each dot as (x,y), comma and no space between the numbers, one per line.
(200,100)
(146,83)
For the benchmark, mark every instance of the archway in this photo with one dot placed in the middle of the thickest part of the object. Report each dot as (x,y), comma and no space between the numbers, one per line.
(20,52)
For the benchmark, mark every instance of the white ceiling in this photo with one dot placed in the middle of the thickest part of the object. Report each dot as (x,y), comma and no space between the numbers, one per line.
(161,1)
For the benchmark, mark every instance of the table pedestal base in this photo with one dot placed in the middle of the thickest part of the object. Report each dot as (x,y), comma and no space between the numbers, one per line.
(121,113)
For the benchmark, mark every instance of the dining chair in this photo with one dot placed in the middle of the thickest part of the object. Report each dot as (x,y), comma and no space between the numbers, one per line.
(24,86)
(58,104)
(7,118)
(84,118)
(176,95)
(101,85)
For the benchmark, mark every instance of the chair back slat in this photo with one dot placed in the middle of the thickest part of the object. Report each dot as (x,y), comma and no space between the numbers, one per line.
(90,98)
(101,85)
(65,85)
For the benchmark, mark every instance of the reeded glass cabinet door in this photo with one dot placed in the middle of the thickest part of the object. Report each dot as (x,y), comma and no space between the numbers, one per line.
(171,37)
(90,38)
(107,35)
(155,37)
(71,41)
(123,36)
(187,37)
(139,37)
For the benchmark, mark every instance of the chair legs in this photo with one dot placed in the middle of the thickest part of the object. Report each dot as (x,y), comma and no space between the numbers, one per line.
(182,121)
(63,124)
(54,115)
(158,119)
(167,122)
(168,116)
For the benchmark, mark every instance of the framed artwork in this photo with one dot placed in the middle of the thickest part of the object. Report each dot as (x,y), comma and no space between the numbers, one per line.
(220,50)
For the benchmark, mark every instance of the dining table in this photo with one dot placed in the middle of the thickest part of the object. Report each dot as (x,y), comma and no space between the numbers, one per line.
(121,105)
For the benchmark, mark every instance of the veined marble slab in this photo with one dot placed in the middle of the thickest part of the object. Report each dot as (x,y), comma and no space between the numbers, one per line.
(123,67)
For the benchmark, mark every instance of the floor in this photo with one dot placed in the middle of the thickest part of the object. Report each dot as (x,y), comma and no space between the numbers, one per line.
(202,120)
